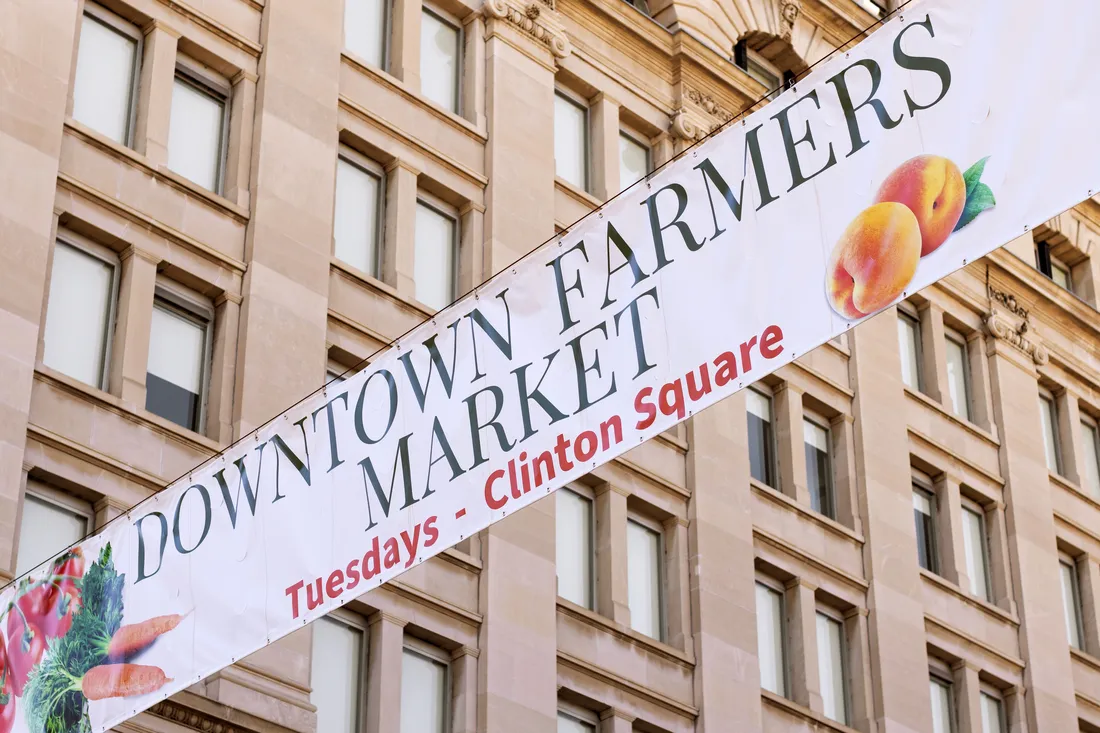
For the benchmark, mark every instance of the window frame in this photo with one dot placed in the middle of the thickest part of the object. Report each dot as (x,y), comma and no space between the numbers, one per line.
(433,653)
(641,141)
(918,344)
(933,534)
(993,694)
(986,557)
(771,457)
(745,58)
(845,668)
(189,307)
(588,495)
(359,623)
(586,147)
(950,334)
(354,158)
(1046,263)
(110,258)
(63,500)
(1087,420)
(444,209)
(777,587)
(1067,560)
(387,29)
(118,23)
(1045,395)
(662,573)
(579,714)
(453,21)
(203,81)
(830,488)
(936,675)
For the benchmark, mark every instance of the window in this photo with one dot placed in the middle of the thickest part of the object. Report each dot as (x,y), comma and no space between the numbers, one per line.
(644,554)
(1090,444)
(1071,601)
(832,667)
(771,639)
(175,383)
(571,141)
(574,547)
(976,548)
(759,69)
(943,705)
(1053,268)
(633,160)
(761,436)
(365,30)
(196,134)
(106,75)
(958,375)
(924,514)
(819,468)
(436,245)
(425,688)
(51,521)
(576,722)
(909,341)
(993,717)
(1049,413)
(337,673)
(642,6)
(440,67)
(878,9)
(80,312)
(357,221)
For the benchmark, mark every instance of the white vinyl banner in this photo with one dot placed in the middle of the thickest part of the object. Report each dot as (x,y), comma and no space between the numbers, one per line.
(950,131)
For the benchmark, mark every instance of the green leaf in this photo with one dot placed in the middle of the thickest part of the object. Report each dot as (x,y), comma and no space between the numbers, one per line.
(981,199)
(974,174)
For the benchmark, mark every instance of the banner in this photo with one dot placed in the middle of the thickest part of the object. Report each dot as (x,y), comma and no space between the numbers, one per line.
(947,133)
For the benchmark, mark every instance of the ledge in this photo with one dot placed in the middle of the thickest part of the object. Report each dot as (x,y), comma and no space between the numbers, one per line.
(1078,493)
(818,376)
(970,427)
(830,525)
(1085,658)
(954,590)
(583,197)
(992,477)
(50,439)
(226,34)
(627,634)
(793,708)
(386,290)
(1012,661)
(614,680)
(784,546)
(681,491)
(400,588)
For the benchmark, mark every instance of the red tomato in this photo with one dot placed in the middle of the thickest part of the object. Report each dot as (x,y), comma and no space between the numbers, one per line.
(7,695)
(70,564)
(32,605)
(61,603)
(25,648)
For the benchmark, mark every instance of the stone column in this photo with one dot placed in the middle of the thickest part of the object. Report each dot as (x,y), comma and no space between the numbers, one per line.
(1088,573)
(614,720)
(859,657)
(896,621)
(1031,537)
(949,533)
(612,594)
(934,355)
(464,690)
(130,346)
(846,486)
(473,76)
(723,578)
(968,696)
(106,509)
(790,443)
(405,42)
(1069,438)
(32,117)
(1000,572)
(605,147)
(219,415)
(677,604)
(399,240)
(242,114)
(981,399)
(471,260)
(385,647)
(154,111)
(802,631)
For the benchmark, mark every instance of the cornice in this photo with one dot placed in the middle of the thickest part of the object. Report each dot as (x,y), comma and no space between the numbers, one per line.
(191,718)
(530,20)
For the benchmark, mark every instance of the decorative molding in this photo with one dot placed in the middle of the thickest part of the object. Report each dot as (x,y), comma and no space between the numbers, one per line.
(527,20)
(999,326)
(191,718)
(789,10)
(681,126)
(709,104)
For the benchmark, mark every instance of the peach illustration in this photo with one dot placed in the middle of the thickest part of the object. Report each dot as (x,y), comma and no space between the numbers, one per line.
(874,260)
(933,188)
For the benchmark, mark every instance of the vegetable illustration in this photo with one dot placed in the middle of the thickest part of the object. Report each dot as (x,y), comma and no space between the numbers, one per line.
(26,644)
(132,639)
(122,680)
(7,695)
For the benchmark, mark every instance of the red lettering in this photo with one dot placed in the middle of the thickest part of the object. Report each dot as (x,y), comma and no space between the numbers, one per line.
(370,569)
(644,408)
(544,460)
(334,584)
(353,574)
(697,393)
(727,369)
(770,346)
(431,534)
(676,389)
(613,423)
(746,354)
(292,591)
(490,500)
(311,601)
(583,454)
(411,544)
(393,553)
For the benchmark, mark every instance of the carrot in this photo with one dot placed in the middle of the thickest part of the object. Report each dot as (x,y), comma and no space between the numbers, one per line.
(122,680)
(132,639)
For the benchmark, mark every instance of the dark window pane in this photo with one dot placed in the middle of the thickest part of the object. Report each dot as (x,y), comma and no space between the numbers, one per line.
(761,437)
(819,470)
(923,504)
(171,402)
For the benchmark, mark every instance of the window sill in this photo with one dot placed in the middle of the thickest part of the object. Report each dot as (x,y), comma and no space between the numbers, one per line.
(970,427)
(1085,658)
(830,525)
(659,648)
(196,441)
(383,77)
(382,288)
(790,706)
(1076,490)
(578,194)
(161,172)
(980,604)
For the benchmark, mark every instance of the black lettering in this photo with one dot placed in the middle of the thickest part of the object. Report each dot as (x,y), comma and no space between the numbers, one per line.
(438,436)
(525,397)
(370,480)
(567,321)
(845,96)
(636,326)
(582,381)
(791,145)
(360,404)
(333,448)
(476,427)
(445,375)
(629,261)
(176,537)
(142,574)
(504,345)
(937,66)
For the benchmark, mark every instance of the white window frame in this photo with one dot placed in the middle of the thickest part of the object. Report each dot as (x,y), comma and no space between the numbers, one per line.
(811,417)
(845,667)
(63,500)
(362,162)
(179,300)
(910,315)
(777,587)
(772,461)
(581,103)
(205,82)
(922,486)
(387,29)
(579,714)
(1090,421)
(587,494)
(1046,394)
(108,257)
(662,573)
(460,53)
(357,622)
(939,672)
(979,510)
(1057,264)
(434,653)
(994,694)
(442,208)
(641,141)
(123,26)
(950,334)
(1064,558)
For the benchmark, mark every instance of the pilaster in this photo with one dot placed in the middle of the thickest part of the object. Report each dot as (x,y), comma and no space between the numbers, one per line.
(154,110)
(612,593)
(130,348)
(399,249)
(385,647)
(605,147)
(790,443)
(802,630)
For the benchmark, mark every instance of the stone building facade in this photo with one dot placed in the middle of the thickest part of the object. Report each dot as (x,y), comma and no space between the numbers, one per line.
(900,532)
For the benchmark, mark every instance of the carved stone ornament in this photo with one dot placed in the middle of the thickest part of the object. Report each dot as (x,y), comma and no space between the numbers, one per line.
(191,718)
(1001,326)
(789,10)
(709,104)
(527,20)
(682,127)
